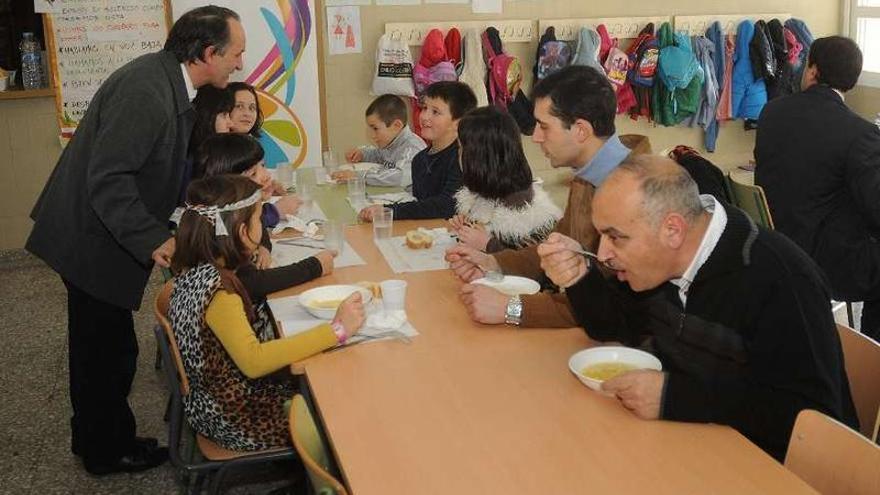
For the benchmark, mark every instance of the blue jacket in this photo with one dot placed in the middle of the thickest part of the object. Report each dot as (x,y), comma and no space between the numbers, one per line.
(748,95)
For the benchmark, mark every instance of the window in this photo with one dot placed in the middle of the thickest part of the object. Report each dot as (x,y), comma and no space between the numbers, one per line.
(864,27)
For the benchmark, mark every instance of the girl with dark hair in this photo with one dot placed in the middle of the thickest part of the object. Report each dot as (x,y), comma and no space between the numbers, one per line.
(212,106)
(499,206)
(246,115)
(241,154)
(228,353)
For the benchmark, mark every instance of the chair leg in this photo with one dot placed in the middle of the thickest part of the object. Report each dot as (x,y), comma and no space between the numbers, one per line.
(158,363)
(167,415)
(849,315)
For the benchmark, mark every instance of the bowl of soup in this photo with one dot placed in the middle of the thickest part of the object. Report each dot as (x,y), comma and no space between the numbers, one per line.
(322,302)
(511,285)
(595,365)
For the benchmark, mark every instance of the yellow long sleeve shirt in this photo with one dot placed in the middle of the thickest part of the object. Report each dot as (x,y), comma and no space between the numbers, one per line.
(227,319)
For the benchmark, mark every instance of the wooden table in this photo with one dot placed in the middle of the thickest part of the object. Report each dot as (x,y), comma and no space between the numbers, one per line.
(467,408)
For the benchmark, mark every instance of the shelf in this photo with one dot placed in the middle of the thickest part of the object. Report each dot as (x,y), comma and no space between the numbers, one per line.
(17,94)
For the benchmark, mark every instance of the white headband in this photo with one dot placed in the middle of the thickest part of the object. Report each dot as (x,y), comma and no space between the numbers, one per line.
(212,213)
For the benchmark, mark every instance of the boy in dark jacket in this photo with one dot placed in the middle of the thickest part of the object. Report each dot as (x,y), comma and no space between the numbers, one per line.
(435,171)
(738,315)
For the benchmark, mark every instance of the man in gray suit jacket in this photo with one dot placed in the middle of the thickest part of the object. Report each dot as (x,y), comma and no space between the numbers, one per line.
(102,222)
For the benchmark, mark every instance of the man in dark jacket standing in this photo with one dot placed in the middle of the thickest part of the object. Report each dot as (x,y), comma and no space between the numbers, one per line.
(738,315)
(819,164)
(101,222)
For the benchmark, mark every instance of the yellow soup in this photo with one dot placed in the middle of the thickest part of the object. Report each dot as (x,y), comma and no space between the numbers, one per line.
(606,371)
(326,304)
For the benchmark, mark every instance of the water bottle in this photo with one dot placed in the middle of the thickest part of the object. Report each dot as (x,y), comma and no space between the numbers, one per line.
(31,63)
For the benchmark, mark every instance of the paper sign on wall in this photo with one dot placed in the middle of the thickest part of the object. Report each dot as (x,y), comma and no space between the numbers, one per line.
(344,29)
(486,6)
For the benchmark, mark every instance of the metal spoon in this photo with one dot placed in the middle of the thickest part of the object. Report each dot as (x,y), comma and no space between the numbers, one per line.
(595,256)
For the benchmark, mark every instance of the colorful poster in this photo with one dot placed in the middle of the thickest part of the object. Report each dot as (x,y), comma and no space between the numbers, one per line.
(281,62)
(344,29)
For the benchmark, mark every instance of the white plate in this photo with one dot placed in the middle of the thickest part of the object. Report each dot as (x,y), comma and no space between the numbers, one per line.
(512,285)
(329,293)
(610,354)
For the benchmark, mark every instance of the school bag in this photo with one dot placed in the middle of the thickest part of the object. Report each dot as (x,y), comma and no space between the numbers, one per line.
(644,55)
(505,73)
(394,68)
(504,79)
(552,55)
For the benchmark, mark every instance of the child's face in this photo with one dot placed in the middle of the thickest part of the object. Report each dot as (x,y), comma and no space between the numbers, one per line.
(222,123)
(380,134)
(252,233)
(244,114)
(437,122)
(261,176)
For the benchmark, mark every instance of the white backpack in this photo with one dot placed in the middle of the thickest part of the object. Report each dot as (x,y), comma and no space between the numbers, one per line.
(394,68)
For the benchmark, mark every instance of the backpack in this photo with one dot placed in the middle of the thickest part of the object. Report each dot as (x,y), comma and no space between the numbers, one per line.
(552,54)
(678,65)
(676,95)
(394,68)
(434,66)
(644,55)
(504,80)
(505,73)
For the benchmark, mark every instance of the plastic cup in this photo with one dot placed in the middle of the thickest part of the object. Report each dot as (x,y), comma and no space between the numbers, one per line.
(357,190)
(334,235)
(330,161)
(393,295)
(383,221)
(284,175)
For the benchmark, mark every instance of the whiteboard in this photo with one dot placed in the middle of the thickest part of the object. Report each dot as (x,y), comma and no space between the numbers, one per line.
(87,40)
(281,61)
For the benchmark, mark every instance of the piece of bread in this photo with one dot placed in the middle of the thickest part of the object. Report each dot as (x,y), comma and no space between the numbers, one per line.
(418,240)
(373,287)
(343,175)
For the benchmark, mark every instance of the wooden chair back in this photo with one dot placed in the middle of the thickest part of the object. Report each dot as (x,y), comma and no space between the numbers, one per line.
(861,356)
(751,199)
(311,449)
(831,457)
(160,309)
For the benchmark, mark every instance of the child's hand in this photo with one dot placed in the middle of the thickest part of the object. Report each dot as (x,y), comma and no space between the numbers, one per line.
(354,155)
(326,259)
(474,236)
(288,205)
(366,215)
(278,188)
(458,221)
(351,314)
(264,258)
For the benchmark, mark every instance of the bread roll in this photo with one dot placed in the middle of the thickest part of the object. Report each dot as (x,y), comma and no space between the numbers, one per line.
(418,240)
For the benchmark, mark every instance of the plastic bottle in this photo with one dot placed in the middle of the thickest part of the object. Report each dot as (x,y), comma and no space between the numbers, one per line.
(31,63)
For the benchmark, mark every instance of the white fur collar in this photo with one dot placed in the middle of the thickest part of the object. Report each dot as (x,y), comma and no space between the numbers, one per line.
(506,223)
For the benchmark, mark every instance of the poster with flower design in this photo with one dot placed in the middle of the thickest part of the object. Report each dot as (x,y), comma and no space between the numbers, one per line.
(281,62)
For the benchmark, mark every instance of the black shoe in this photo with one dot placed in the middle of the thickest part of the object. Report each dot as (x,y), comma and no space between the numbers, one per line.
(143,457)
(138,441)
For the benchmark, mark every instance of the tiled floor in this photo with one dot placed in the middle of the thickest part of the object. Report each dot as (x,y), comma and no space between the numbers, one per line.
(34,405)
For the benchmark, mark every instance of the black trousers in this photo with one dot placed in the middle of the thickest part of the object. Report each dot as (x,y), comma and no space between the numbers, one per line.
(871,319)
(103,353)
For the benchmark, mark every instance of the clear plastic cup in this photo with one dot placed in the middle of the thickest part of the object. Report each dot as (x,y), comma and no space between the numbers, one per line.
(334,235)
(383,222)
(393,295)
(357,190)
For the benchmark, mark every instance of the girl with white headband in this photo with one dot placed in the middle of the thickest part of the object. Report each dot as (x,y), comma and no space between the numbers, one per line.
(228,352)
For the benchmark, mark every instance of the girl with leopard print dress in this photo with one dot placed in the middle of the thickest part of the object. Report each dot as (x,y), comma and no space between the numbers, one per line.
(499,206)
(235,399)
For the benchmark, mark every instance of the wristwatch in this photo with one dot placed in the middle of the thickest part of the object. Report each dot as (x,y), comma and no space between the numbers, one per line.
(513,314)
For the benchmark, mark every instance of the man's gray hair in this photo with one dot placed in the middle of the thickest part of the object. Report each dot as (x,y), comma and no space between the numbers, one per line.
(666,188)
